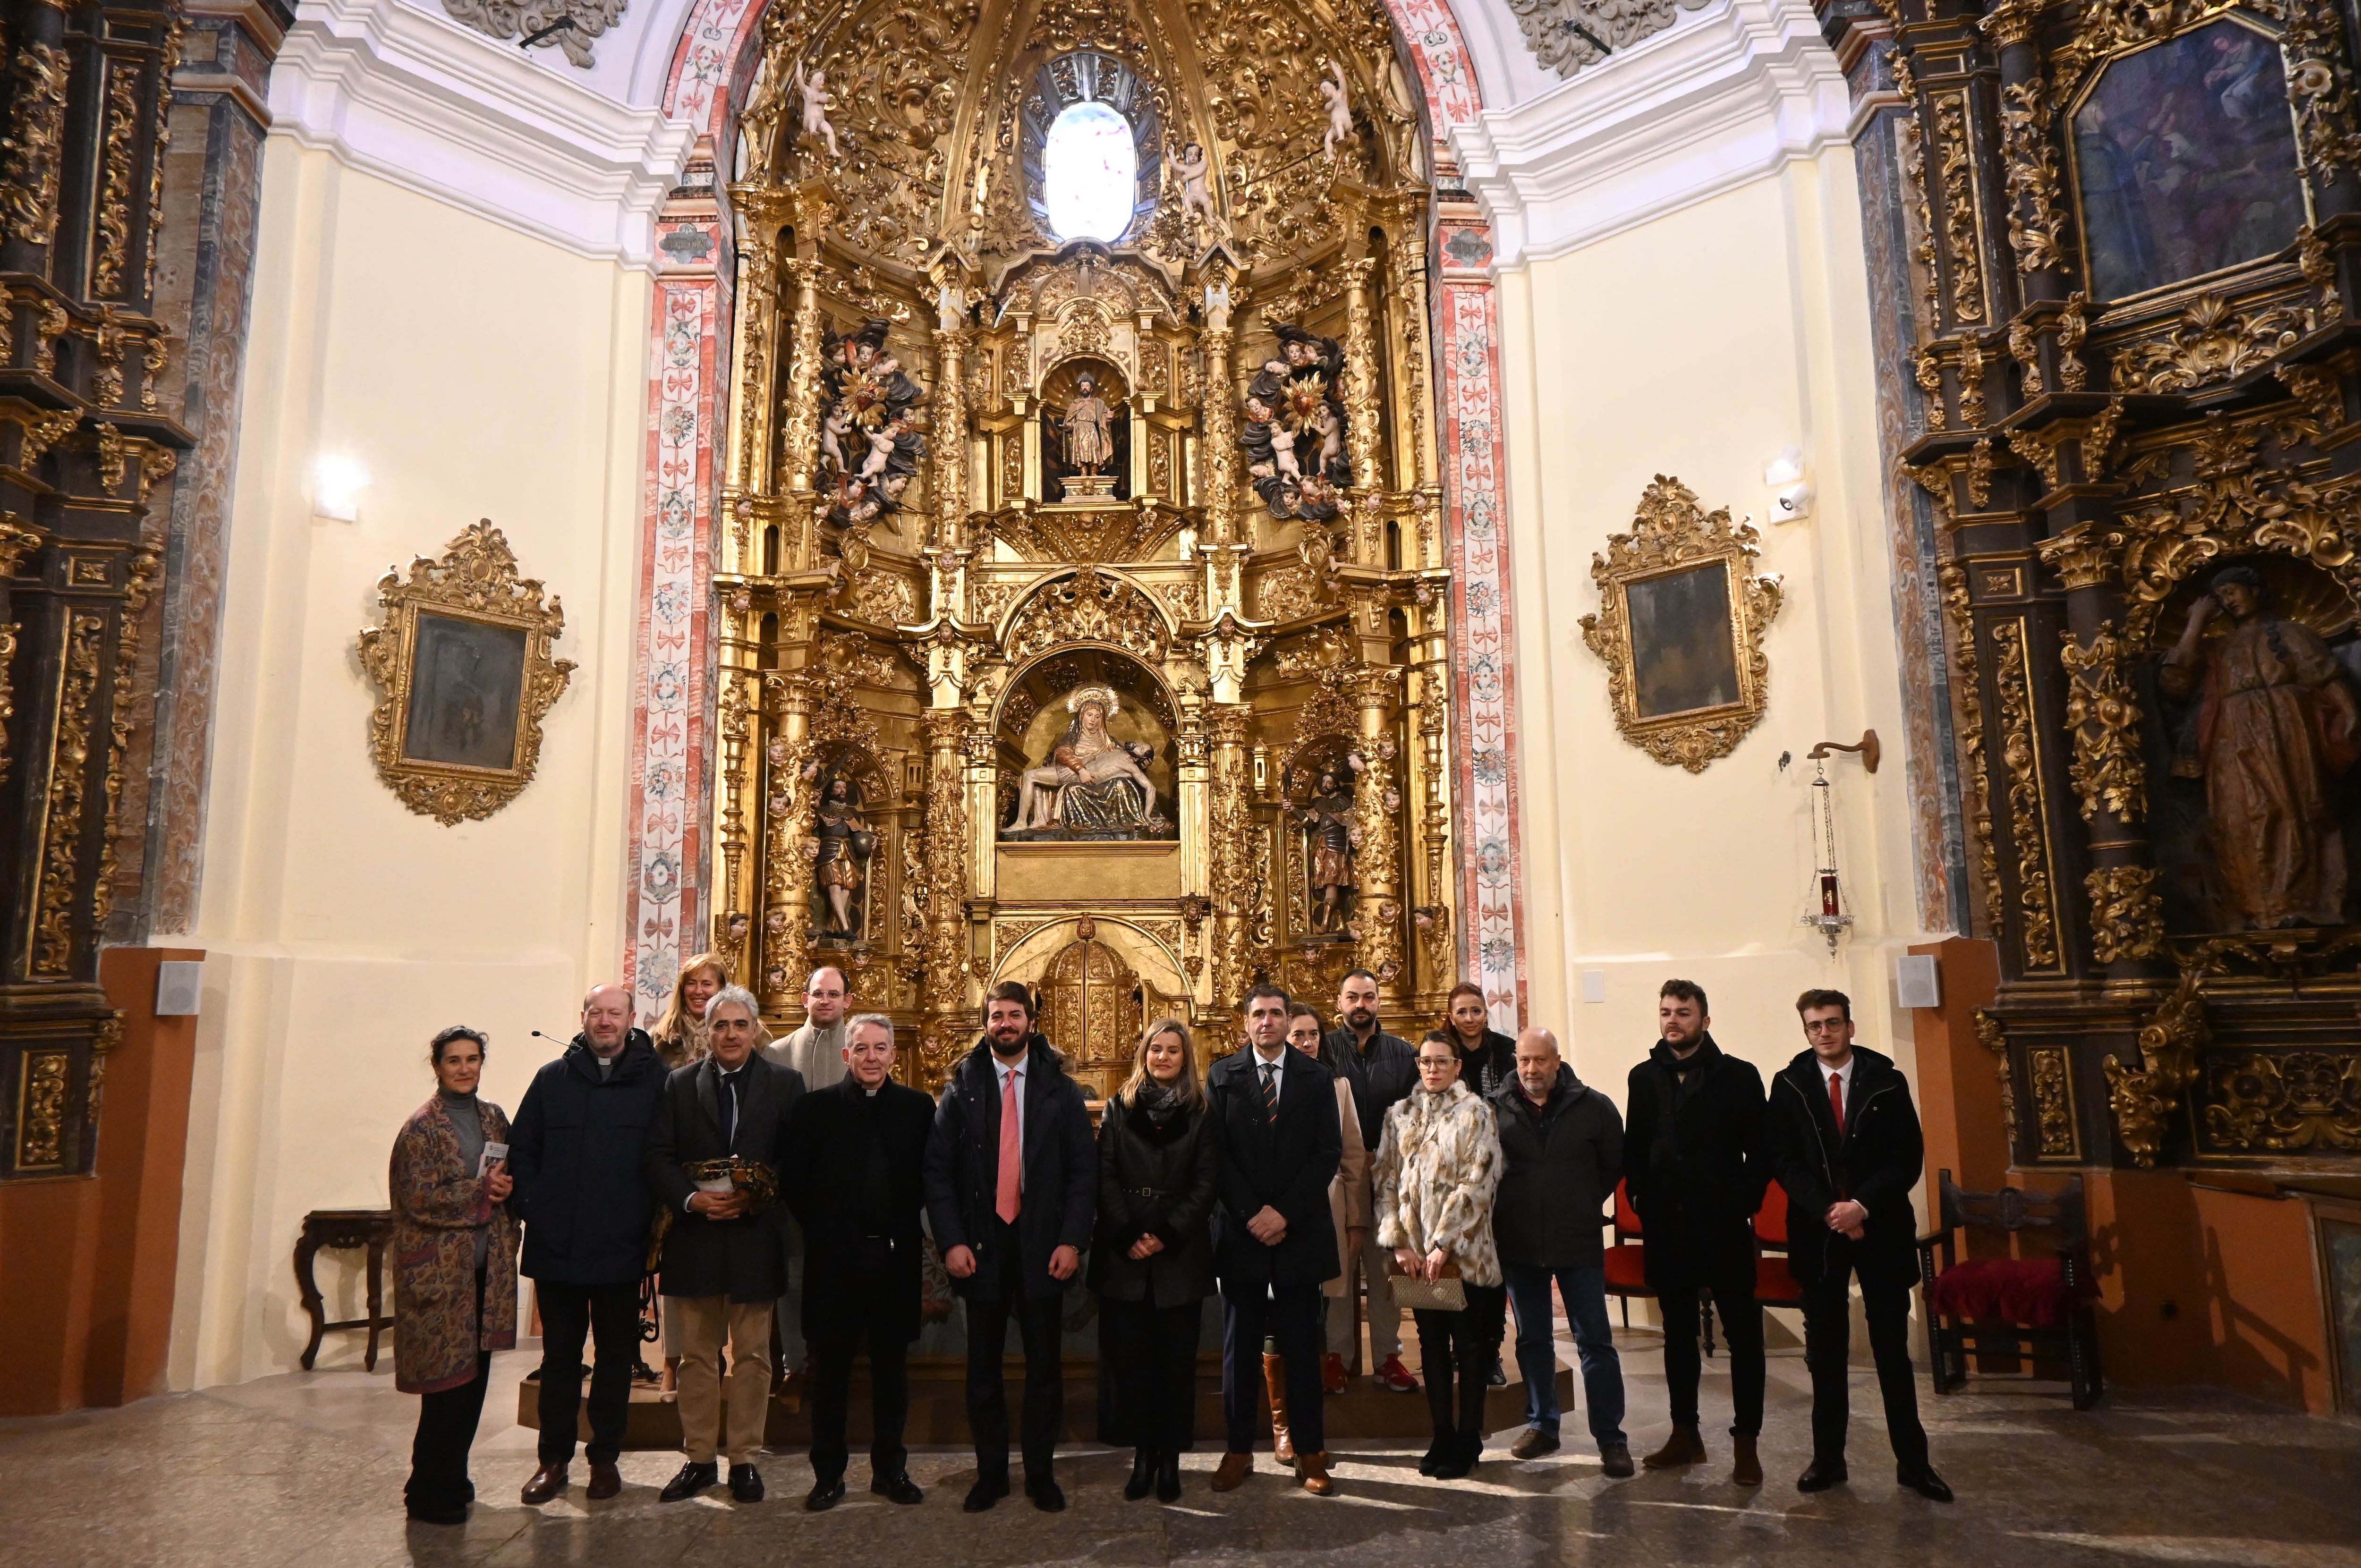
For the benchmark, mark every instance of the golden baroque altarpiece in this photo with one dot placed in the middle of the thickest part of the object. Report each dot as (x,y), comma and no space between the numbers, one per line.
(1083,603)
(2130,240)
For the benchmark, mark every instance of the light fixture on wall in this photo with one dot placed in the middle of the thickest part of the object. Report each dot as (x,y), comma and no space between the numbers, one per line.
(337,482)
(1830,919)
(1791,492)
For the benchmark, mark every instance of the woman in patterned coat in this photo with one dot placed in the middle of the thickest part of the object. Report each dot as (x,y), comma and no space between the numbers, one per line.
(1438,1171)
(454,1271)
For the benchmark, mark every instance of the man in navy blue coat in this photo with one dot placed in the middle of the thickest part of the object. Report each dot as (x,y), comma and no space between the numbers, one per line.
(575,1151)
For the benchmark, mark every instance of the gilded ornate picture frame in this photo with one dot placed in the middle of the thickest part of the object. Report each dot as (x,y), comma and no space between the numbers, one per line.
(464,668)
(1680,623)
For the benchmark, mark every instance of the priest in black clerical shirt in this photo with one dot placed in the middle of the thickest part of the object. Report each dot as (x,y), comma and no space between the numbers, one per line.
(855,1152)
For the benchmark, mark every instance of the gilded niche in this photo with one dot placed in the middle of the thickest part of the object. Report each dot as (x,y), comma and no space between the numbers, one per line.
(1680,624)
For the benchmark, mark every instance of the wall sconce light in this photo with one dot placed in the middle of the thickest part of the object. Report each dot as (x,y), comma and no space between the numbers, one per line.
(1791,493)
(336,486)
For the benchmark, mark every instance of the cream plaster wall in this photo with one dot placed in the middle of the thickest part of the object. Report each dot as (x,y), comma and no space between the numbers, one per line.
(477,372)
(1696,345)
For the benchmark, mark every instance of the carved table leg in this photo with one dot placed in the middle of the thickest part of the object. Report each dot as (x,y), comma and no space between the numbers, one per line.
(307,1248)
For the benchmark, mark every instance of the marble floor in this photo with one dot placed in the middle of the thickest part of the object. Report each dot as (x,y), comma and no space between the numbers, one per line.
(307,1469)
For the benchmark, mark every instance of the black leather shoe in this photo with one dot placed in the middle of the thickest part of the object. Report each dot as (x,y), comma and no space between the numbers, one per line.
(1435,1454)
(455,1514)
(1924,1482)
(1047,1495)
(1821,1476)
(824,1495)
(1143,1475)
(693,1478)
(898,1488)
(1168,1477)
(745,1483)
(987,1490)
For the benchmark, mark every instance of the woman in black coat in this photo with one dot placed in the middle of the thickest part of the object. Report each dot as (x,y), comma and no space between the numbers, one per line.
(1152,1264)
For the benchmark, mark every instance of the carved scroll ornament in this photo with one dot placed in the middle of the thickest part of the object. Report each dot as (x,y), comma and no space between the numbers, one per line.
(464,666)
(2144,1096)
(1680,623)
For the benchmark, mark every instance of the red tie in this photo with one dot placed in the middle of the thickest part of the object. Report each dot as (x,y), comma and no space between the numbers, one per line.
(1835,1100)
(1012,1150)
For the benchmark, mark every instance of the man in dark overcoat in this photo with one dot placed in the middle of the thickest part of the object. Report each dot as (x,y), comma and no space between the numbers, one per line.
(1012,1192)
(713,1159)
(576,1151)
(1276,1246)
(854,1175)
(1695,1170)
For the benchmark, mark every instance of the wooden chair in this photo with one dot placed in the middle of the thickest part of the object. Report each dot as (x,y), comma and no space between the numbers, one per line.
(1774,1284)
(2056,1286)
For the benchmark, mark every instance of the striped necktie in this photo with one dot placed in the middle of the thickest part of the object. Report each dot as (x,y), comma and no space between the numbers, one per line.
(1271,1090)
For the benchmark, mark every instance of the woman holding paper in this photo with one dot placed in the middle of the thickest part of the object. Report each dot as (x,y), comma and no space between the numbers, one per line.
(454,1270)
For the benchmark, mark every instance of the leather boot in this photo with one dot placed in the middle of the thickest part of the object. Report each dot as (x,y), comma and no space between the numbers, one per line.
(1746,1466)
(1274,1380)
(1143,1475)
(1683,1447)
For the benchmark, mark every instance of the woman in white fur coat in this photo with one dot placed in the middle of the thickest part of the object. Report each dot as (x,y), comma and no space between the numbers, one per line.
(1437,1169)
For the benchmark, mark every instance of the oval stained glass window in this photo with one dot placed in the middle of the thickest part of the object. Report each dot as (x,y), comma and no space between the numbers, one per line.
(1089,173)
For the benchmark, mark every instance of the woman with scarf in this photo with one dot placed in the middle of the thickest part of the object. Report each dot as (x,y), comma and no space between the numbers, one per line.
(454,1271)
(1438,1170)
(1152,1264)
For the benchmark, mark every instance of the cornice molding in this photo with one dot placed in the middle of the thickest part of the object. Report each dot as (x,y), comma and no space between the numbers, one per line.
(420,101)
(1718,100)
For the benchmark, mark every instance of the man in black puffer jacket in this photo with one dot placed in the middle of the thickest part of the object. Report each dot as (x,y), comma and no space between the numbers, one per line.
(577,1152)
(1848,1146)
(1694,1167)
(1561,1150)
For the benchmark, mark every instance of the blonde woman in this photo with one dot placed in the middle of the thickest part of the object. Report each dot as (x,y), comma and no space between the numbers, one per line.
(1438,1170)
(1153,1262)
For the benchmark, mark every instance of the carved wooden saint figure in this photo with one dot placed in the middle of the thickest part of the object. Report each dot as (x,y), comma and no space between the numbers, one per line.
(842,845)
(2276,726)
(1089,438)
(1294,428)
(1093,784)
(1328,819)
(871,441)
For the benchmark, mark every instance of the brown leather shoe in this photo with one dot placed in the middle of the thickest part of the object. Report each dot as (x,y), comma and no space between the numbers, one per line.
(1232,1472)
(1313,1469)
(1746,1466)
(605,1482)
(1533,1443)
(1683,1447)
(546,1483)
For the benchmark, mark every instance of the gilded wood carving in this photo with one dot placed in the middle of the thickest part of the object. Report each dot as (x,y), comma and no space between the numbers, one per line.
(1680,624)
(466,673)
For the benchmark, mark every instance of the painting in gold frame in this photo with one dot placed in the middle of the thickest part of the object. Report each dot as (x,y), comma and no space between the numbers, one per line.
(464,674)
(1680,623)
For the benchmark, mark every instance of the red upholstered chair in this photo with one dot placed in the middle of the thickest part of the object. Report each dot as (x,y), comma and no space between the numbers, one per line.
(2037,1303)
(1627,1268)
(1774,1285)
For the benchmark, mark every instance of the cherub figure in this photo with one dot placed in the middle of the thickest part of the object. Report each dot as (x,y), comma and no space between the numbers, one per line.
(1195,169)
(1340,110)
(1332,435)
(832,430)
(813,88)
(881,448)
(1282,452)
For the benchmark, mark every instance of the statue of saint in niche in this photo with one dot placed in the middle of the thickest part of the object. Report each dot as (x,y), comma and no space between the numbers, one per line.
(2276,726)
(843,844)
(1295,431)
(1089,438)
(1092,785)
(1328,820)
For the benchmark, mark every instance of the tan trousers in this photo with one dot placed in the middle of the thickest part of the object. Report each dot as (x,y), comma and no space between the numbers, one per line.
(702,1320)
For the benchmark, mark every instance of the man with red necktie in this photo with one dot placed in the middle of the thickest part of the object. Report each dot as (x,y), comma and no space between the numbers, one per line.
(1847,1146)
(1012,1192)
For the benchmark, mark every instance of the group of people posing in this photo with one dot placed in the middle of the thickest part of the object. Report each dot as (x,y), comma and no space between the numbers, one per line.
(1296,1177)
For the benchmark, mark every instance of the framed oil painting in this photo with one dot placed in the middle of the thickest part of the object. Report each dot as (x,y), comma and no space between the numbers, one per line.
(2185,159)
(464,674)
(1680,623)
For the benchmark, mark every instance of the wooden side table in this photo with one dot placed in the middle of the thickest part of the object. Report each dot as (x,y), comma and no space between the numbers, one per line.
(371,1228)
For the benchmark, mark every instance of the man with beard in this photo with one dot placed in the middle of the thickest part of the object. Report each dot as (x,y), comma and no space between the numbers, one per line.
(1383,1069)
(1012,1191)
(1695,1168)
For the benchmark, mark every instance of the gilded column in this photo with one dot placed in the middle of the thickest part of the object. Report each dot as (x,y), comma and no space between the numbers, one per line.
(950,439)
(1226,728)
(1361,413)
(1376,906)
(942,894)
(786,815)
(751,408)
(1220,416)
(802,439)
